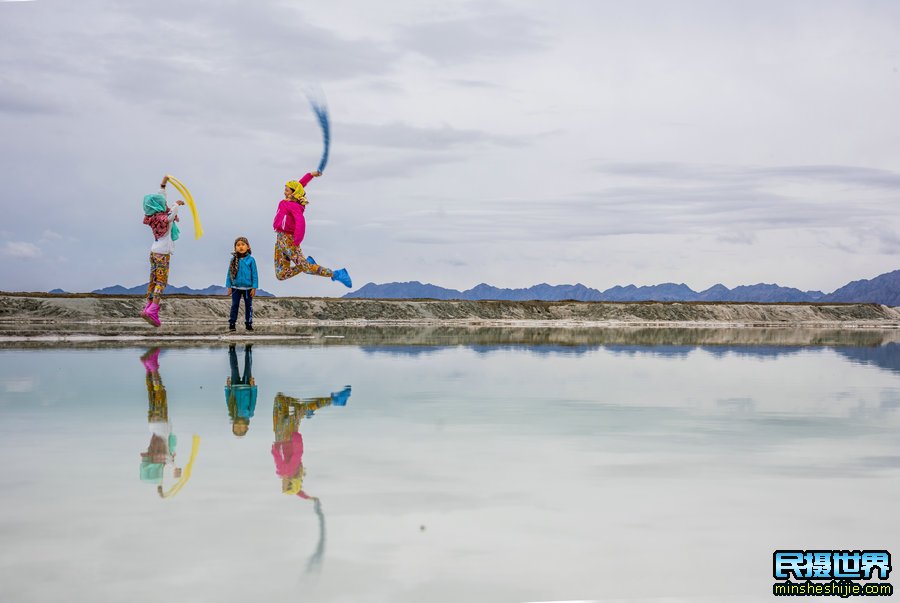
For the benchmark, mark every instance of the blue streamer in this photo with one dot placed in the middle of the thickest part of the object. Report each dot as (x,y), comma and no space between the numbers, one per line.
(321,112)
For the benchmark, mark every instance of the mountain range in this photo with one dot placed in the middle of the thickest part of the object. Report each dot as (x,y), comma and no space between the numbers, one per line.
(142,289)
(883,289)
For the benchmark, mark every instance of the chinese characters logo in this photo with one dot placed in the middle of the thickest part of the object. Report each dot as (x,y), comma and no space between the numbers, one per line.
(834,572)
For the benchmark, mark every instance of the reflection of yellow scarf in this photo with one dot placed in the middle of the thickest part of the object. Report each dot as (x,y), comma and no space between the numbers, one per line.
(299,191)
(185,474)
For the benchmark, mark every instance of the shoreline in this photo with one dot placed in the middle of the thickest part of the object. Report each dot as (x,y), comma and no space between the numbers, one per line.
(191,308)
(49,320)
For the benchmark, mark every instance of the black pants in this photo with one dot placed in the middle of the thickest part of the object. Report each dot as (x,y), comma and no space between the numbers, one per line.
(236,295)
(236,378)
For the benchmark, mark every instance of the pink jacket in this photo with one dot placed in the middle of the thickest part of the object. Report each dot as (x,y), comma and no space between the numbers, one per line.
(289,217)
(288,455)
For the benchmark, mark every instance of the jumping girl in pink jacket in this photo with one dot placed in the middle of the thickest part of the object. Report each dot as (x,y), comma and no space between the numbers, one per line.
(290,226)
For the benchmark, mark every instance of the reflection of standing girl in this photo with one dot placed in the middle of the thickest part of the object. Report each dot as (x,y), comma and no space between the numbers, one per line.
(240,392)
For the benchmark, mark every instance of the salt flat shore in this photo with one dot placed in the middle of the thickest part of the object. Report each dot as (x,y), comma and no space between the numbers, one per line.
(46,318)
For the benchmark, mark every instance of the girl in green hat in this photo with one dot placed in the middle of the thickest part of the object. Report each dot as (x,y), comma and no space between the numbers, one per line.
(161,220)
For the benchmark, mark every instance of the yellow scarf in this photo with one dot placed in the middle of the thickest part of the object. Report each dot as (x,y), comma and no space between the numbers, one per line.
(299,192)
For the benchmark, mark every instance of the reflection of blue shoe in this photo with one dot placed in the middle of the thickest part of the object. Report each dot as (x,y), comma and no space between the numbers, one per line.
(310,260)
(340,398)
(343,277)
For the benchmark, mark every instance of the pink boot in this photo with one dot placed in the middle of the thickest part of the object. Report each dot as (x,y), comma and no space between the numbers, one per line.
(151,314)
(144,311)
(151,360)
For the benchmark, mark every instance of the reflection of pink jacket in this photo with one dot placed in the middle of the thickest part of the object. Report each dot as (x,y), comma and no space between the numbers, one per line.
(289,217)
(288,455)
(289,458)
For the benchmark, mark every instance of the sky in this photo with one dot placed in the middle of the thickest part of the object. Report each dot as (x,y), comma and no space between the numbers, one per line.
(513,143)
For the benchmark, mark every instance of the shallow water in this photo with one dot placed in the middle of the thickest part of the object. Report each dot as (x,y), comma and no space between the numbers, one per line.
(451,473)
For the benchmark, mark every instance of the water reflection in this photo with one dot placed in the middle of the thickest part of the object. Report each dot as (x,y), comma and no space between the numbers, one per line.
(240,391)
(287,450)
(637,452)
(160,452)
(885,355)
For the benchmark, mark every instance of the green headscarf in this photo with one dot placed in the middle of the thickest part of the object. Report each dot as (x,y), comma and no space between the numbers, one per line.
(150,471)
(155,203)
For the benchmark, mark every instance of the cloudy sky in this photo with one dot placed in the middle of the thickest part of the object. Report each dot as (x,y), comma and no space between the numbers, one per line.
(512,143)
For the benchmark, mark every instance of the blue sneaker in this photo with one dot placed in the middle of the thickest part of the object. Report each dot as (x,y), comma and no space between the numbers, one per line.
(340,398)
(310,260)
(343,277)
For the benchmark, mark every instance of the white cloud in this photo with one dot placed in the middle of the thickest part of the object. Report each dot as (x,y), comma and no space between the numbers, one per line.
(22,250)
(509,143)
(49,236)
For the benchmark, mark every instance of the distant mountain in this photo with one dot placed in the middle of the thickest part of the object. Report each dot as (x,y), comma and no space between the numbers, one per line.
(758,293)
(884,289)
(142,290)
(579,292)
(663,292)
(410,290)
(417,290)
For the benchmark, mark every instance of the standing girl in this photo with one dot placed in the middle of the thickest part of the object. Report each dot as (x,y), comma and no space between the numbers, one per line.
(161,220)
(290,226)
(242,282)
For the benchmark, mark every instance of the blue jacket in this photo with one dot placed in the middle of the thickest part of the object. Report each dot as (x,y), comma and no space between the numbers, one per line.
(241,400)
(247,277)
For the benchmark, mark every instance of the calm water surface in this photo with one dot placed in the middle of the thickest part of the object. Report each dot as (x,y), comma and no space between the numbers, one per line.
(428,473)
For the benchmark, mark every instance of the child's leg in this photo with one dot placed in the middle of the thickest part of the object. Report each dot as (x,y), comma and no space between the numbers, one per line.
(286,254)
(281,417)
(159,275)
(283,268)
(315,268)
(248,310)
(233,361)
(151,286)
(151,283)
(310,405)
(236,295)
(156,394)
(248,365)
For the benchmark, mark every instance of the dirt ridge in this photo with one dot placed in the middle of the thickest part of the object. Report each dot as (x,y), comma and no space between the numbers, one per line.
(29,310)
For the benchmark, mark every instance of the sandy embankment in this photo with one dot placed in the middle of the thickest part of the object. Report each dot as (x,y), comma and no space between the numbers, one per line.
(51,317)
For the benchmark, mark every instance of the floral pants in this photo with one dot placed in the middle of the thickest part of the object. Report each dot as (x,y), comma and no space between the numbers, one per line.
(286,253)
(159,274)
(287,413)
(156,395)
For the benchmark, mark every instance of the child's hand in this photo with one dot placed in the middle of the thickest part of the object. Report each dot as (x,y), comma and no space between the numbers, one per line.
(179,202)
(229,291)
(316,174)
(164,180)
(252,292)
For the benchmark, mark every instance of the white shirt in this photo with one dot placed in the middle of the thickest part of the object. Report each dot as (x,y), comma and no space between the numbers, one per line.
(160,428)
(165,244)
